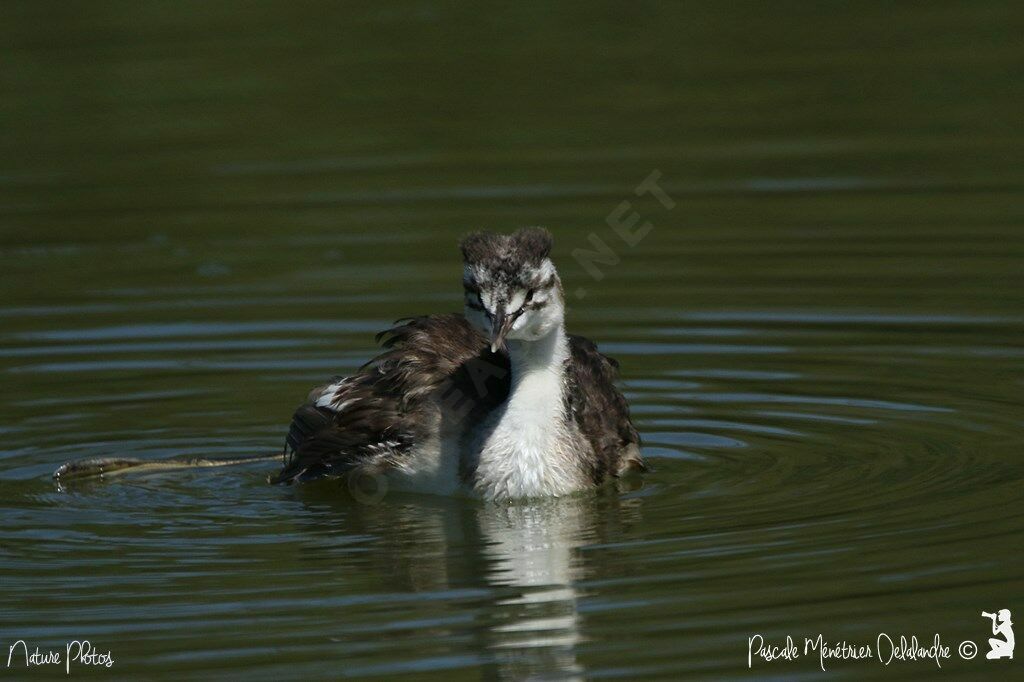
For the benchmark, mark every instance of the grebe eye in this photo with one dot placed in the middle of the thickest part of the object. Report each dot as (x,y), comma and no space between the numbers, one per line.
(529,295)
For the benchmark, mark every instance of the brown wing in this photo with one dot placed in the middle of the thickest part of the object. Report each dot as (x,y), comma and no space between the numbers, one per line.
(601,411)
(375,417)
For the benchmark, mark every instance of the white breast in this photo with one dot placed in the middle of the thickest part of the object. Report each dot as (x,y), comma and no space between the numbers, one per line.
(525,450)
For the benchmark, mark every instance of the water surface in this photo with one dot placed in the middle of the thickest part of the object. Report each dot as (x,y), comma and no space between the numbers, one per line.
(207,209)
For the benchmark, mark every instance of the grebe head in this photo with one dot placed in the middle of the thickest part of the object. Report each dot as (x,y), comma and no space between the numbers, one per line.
(512,289)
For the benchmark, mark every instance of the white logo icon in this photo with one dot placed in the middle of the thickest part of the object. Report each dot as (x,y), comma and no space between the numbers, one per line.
(1001,625)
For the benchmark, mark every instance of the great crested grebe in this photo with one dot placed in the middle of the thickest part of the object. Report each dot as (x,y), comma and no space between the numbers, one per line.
(500,402)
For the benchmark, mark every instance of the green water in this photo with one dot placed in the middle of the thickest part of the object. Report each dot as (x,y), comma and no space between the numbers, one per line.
(207,208)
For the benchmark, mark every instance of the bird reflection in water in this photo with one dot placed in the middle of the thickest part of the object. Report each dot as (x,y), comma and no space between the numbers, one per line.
(517,568)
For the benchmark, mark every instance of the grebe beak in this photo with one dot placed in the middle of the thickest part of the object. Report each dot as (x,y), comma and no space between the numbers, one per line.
(501,325)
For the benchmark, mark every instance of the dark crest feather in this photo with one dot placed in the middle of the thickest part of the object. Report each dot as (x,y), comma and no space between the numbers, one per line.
(534,243)
(526,245)
(477,246)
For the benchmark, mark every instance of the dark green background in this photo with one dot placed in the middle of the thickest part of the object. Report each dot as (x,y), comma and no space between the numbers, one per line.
(205,208)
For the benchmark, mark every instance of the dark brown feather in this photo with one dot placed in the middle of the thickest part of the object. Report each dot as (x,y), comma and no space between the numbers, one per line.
(392,401)
(510,259)
(601,411)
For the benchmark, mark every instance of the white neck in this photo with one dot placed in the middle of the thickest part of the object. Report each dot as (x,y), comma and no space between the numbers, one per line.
(546,354)
(528,454)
